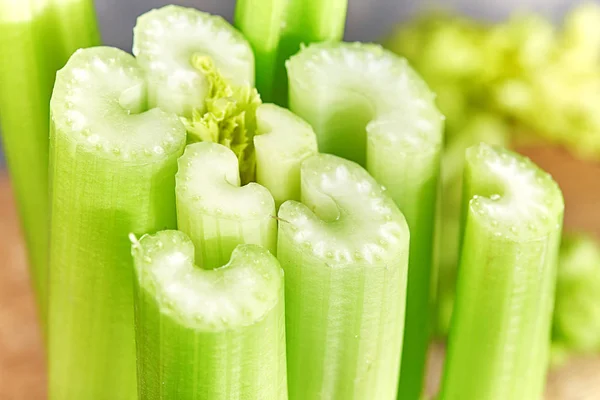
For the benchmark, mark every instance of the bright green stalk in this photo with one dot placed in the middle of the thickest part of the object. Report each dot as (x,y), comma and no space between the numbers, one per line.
(277,28)
(500,333)
(112,171)
(34,47)
(344,250)
(215,211)
(166,40)
(76,23)
(283,141)
(368,105)
(208,335)
(201,68)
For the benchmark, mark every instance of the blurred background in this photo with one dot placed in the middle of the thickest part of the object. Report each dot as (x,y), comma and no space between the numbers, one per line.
(523,74)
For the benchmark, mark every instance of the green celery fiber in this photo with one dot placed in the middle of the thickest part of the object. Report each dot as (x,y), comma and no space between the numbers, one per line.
(35,42)
(500,331)
(344,250)
(112,172)
(367,105)
(276,29)
(215,334)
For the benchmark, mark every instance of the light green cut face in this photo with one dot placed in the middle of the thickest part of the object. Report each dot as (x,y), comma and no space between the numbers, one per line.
(345,216)
(358,96)
(240,293)
(165,42)
(208,180)
(99,101)
(510,194)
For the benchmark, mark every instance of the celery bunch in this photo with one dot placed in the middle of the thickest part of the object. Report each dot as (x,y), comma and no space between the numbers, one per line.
(291,273)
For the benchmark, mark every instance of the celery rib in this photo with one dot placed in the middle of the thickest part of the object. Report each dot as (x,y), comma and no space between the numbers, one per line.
(215,211)
(369,106)
(112,171)
(500,333)
(166,40)
(34,47)
(282,142)
(277,28)
(208,335)
(344,250)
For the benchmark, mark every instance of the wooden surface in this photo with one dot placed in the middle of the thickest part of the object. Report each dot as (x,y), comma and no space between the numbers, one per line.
(22,374)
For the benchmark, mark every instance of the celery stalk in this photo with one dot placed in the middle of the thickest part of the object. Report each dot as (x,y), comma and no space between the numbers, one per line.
(34,47)
(368,105)
(112,171)
(166,40)
(282,142)
(344,250)
(208,334)
(75,20)
(215,211)
(277,28)
(201,68)
(500,332)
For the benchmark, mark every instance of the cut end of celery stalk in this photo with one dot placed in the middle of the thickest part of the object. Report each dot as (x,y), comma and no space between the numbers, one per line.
(215,211)
(345,217)
(165,42)
(374,97)
(238,294)
(511,195)
(283,140)
(208,181)
(98,101)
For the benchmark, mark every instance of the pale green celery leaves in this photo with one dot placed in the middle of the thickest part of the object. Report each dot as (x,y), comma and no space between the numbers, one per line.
(229,119)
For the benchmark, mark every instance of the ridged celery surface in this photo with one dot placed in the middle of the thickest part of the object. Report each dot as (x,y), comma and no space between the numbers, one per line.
(208,334)
(277,28)
(215,211)
(112,172)
(500,333)
(282,142)
(344,250)
(367,105)
(35,41)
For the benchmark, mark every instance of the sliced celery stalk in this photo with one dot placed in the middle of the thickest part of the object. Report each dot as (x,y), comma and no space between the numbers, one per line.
(283,141)
(344,250)
(208,335)
(112,171)
(215,211)
(500,332)
(366,104)
(34,44)
(166,40)
(277,28)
